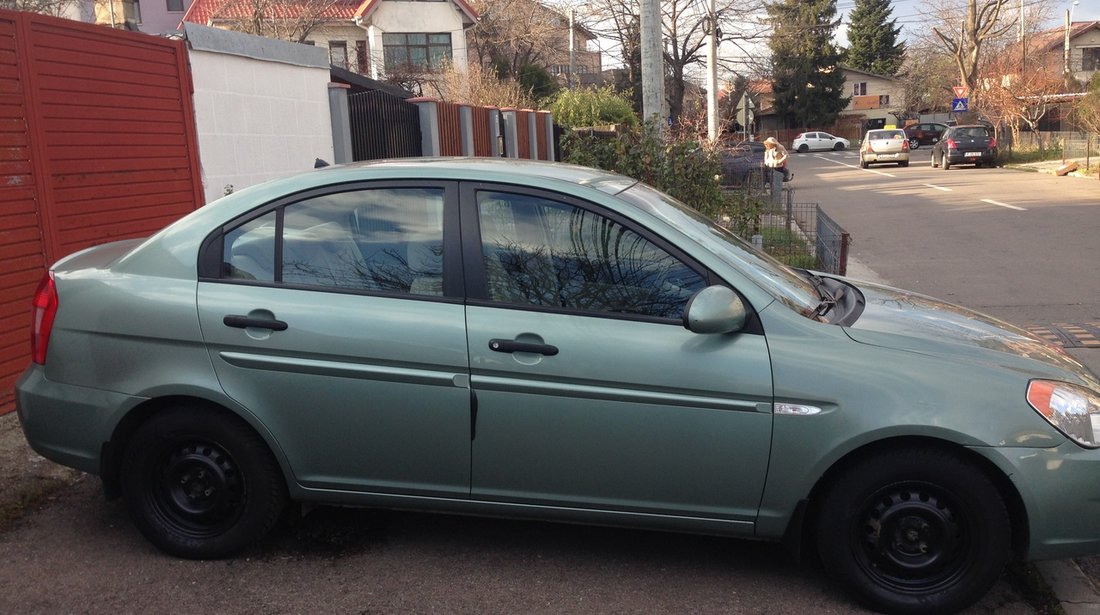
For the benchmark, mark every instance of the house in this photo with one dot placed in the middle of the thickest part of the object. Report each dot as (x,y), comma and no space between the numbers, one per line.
(1084,49)
(873,96)
(149,16)
(371,37)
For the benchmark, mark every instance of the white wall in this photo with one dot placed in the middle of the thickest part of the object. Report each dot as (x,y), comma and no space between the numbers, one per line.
(257,120)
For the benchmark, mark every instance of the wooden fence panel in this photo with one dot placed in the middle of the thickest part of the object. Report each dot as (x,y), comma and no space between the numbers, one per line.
(97,143)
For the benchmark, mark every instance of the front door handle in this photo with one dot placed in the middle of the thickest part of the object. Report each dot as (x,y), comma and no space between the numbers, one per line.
(513,346)
(247,322)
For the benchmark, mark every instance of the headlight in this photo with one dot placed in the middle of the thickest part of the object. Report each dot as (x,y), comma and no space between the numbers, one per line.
(1073,410)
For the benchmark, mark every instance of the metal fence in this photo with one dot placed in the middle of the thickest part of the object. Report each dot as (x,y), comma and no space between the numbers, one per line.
(803,235)
(383,126)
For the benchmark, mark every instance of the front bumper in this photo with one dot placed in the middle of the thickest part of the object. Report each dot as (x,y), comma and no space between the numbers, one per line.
(64,423)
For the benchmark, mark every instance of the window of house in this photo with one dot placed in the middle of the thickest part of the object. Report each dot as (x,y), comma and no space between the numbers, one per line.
(174,6)
(382,240)
(1090,58)
(859,89)
(362,60)
(884,100)
(551,254)
(418,51)
(338,53)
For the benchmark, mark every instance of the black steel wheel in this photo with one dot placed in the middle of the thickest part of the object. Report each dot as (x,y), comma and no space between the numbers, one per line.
(201,484)
(914,531)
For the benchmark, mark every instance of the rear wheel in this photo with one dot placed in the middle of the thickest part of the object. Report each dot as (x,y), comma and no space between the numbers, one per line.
(903,164)
(914,143)
(944,164)
(914,531)
(863,164)
(201,484)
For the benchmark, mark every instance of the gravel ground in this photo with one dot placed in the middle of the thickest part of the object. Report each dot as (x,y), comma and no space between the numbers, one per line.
(27,480)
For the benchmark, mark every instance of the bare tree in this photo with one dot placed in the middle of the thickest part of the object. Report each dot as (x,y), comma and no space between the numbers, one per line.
(1017,88)
(686,24)
(965,30)
(57,8)
(289,20)
(512,34)
(477,85)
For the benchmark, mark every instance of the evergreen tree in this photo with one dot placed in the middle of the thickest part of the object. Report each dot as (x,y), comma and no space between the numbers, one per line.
(806,79)
(873,38)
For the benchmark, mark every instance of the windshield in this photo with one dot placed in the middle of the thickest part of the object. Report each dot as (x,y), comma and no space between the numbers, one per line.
(779,280)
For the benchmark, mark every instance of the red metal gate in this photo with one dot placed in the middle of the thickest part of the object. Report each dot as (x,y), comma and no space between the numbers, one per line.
(97,143)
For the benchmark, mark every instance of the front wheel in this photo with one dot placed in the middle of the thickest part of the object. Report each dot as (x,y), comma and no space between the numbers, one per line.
(201,484)
(916,530)
(839,147)
(802,149)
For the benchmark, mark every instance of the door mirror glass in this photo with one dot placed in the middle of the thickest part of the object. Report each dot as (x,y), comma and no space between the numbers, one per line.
(715,309)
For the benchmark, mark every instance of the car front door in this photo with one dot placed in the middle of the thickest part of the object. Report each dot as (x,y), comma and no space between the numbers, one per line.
(589,392)
(337,320)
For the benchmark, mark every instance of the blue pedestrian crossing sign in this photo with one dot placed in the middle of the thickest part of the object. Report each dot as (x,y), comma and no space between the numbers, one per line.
(960,104)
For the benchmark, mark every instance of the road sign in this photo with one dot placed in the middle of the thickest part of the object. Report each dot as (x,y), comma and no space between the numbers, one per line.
(960,104)
(960,91)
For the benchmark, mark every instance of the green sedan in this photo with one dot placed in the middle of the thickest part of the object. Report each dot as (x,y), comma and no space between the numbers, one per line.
(545,341)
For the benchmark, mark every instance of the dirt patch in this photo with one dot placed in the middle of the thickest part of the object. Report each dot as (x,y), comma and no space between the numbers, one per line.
(27,480)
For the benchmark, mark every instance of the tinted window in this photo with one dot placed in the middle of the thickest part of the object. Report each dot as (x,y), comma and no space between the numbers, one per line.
(545,253)
(388,239)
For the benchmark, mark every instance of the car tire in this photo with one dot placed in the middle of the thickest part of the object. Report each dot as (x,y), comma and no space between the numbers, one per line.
(200,483)
(839,147)
(863,164)
(802,149)
(944,164)
(903,164)
(914,143)
(916,530)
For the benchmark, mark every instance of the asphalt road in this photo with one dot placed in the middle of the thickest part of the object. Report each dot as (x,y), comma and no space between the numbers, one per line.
(1020,246)
(916,227)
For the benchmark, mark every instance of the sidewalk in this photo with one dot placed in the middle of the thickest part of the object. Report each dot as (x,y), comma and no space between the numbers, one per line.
(1051,167)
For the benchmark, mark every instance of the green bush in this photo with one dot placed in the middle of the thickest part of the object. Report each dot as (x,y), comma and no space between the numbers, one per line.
(583,107)
(684,169)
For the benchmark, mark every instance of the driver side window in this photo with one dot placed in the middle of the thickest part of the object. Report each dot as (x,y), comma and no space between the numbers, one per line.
(545,253)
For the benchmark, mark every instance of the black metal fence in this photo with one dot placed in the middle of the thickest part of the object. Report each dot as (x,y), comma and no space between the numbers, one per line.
(803,235)
(383,126)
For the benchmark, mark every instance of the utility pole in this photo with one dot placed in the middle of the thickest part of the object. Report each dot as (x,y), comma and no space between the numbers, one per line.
(712,72)
(572,51)
(653,65)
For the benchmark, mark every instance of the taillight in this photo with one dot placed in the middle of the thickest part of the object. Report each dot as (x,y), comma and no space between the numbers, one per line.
(867,146)
(993,142)
(45,309)
(905,145)
(951,144)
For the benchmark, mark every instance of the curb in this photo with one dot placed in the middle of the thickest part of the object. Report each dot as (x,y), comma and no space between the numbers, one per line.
(1074,591)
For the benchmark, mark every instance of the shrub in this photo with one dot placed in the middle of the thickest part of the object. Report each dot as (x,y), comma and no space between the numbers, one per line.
(592,106)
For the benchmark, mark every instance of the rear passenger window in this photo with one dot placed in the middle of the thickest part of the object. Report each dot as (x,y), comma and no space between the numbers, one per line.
(386,239)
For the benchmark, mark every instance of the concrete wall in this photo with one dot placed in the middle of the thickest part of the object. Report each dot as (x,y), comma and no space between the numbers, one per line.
(261,107)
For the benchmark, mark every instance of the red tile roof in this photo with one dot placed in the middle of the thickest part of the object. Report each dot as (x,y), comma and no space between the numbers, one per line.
(205,11)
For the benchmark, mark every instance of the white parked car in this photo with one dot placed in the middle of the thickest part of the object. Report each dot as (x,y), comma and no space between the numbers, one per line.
(807,141)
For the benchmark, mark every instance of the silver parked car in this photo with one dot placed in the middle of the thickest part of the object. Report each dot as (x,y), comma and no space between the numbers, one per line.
(884,146)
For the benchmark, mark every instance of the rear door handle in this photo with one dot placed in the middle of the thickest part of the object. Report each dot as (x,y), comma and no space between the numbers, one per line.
(510,346)
(247,322)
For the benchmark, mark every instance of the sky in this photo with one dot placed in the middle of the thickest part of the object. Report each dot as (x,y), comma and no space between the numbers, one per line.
(908,13)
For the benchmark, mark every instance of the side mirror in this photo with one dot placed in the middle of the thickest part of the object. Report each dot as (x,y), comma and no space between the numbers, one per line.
(715,309)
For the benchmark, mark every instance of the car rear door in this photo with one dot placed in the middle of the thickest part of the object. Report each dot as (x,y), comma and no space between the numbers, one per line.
(589,392)
(336,318)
